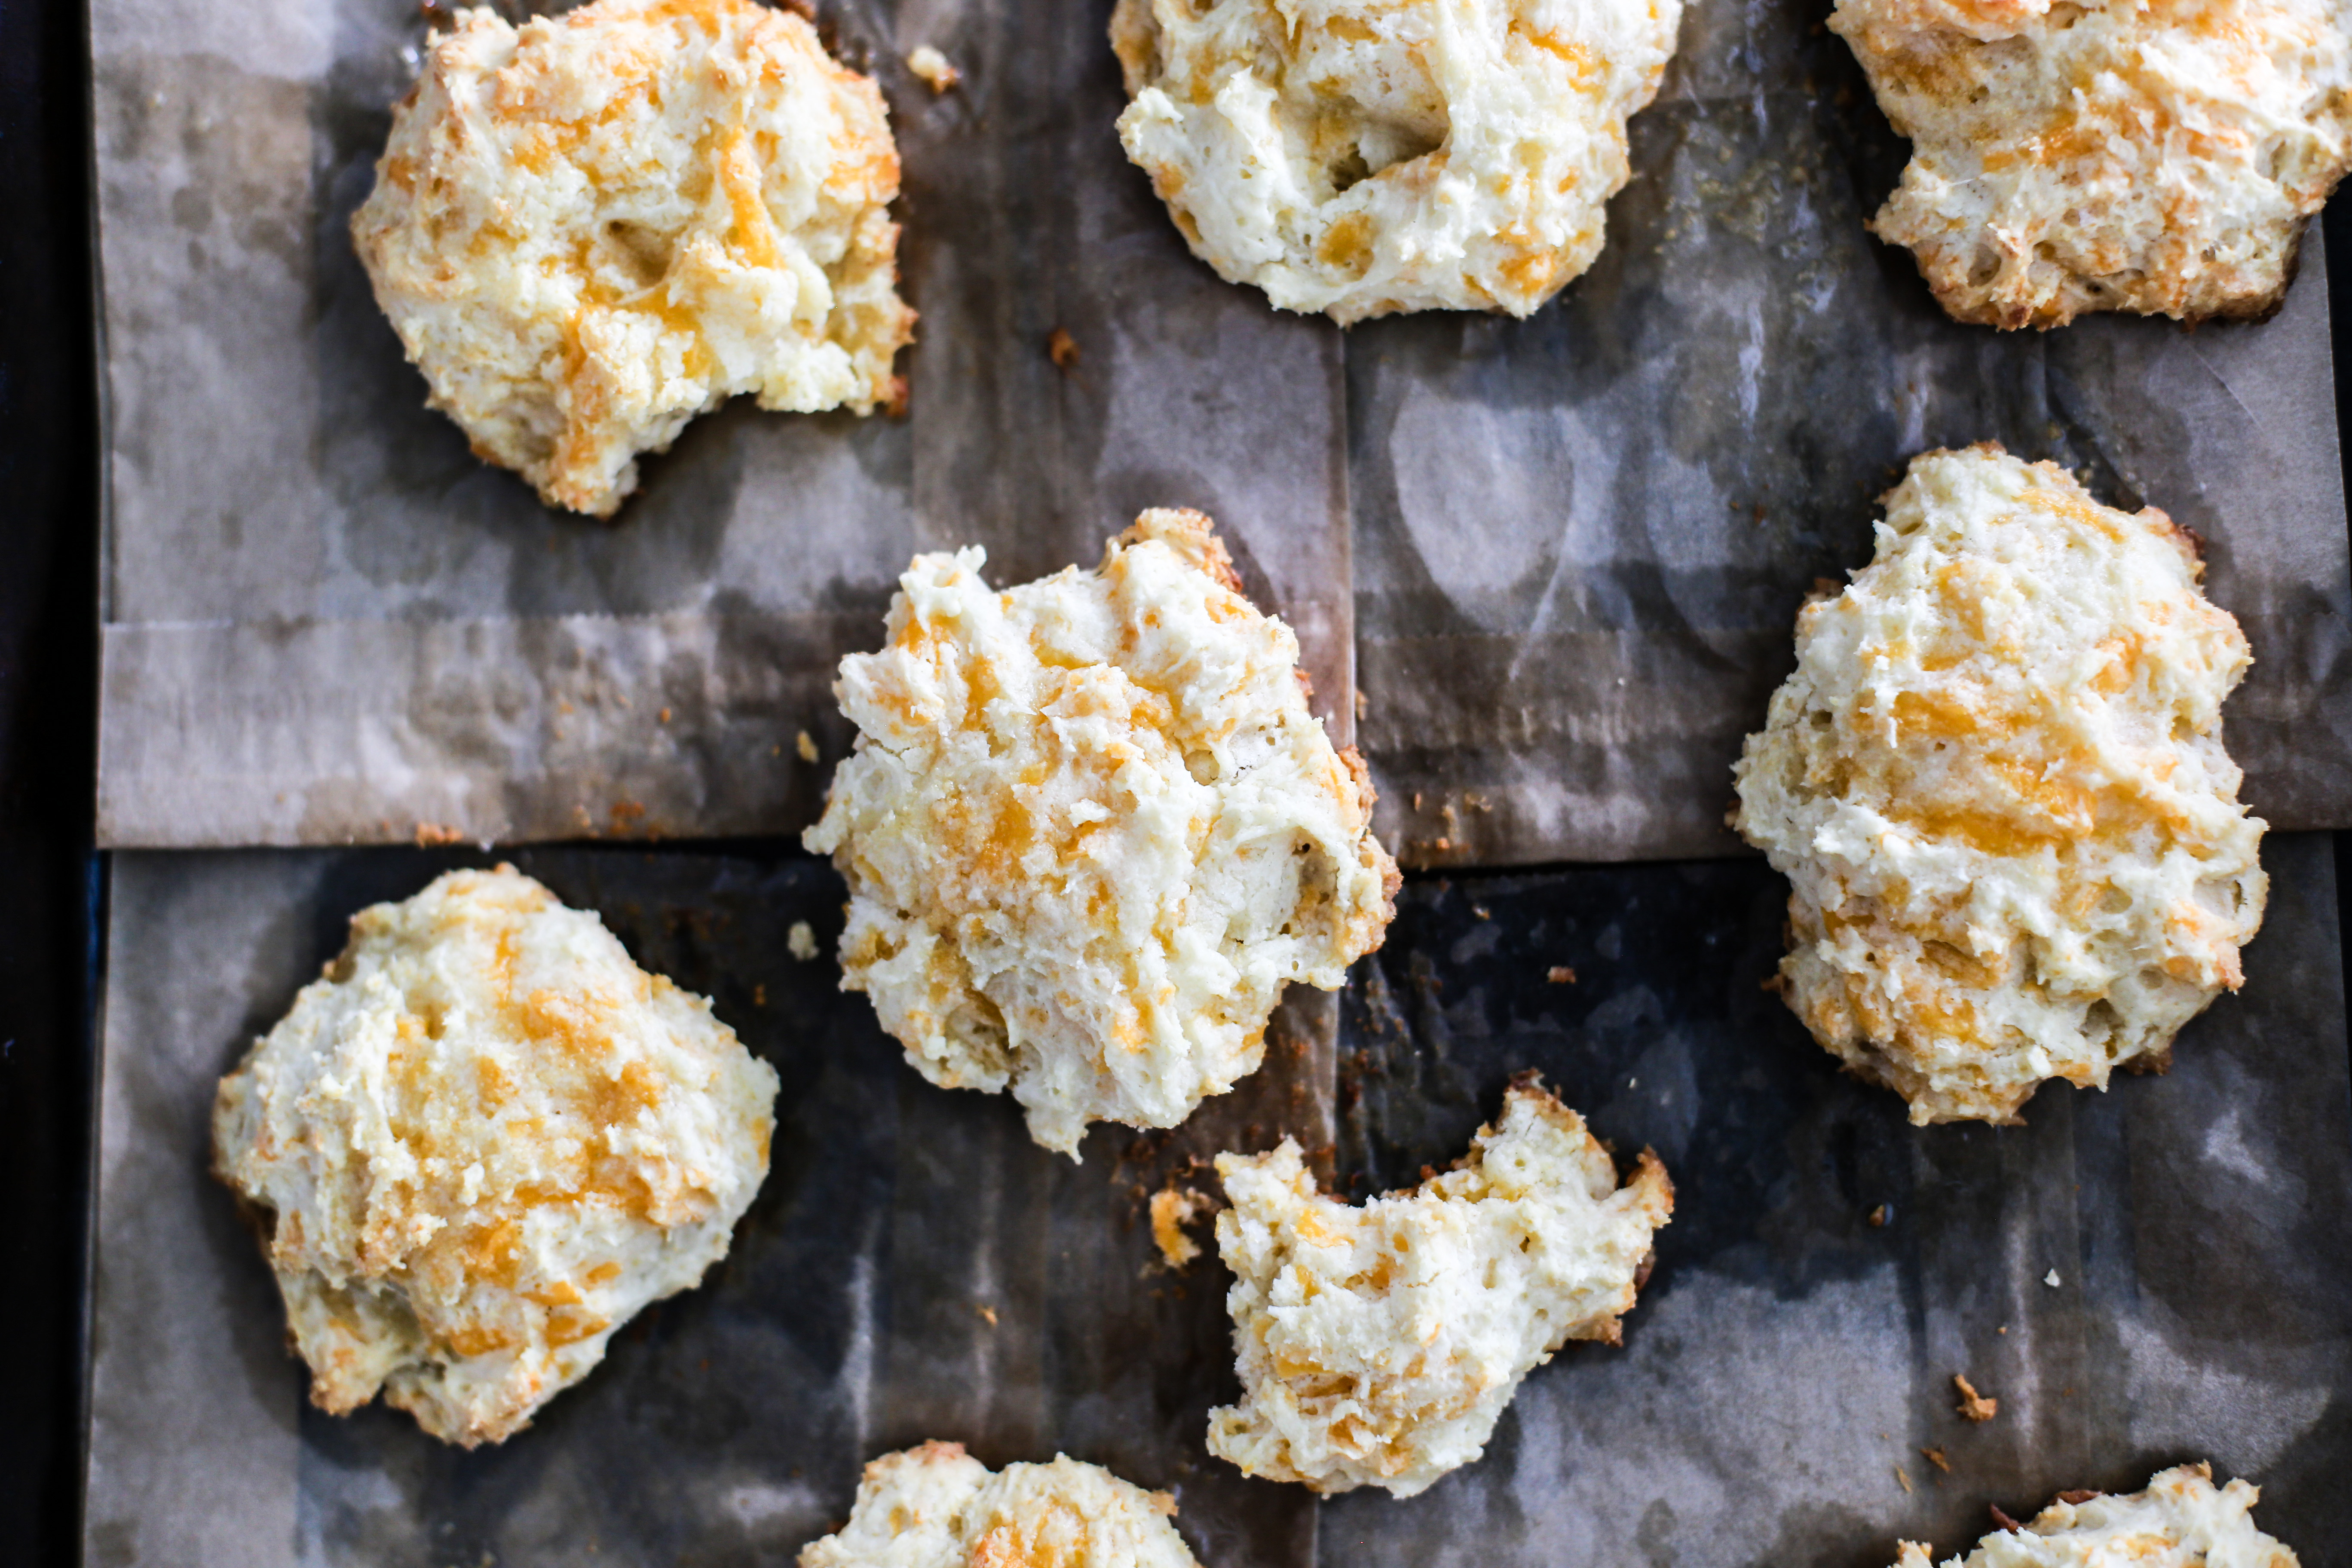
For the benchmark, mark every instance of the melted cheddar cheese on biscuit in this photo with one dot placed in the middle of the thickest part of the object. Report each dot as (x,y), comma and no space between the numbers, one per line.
(1091,829)
(1378,1345)
(2180,1520)
(934,1505)
(1997,785)
(589,229)
(1362,157)
(2158,156)
(479,1144)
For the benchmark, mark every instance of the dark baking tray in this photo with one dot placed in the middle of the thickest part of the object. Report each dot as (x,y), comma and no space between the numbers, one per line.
(915,1267)
(1431,1029)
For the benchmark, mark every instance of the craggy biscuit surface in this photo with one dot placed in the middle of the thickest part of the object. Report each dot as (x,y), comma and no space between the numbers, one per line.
(588,230)
(1997,786)
(936,1507)
(480,1145)
(2181,1521)
(1361,157)
(1090,829)
(1377,1346)
(2149,155)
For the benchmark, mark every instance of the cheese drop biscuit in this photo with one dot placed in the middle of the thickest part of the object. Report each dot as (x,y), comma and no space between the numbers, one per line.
(1377,1346)
(588,230)
(1090,829)
(936,1507)
(2181,1521)
(1997,786)
(2149,155)
(1362,157)
(480,1145)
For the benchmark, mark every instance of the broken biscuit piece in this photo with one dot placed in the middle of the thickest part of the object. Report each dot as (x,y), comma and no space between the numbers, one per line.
(589,229)
(2114,155)
(2181,1521)
(1091,830)
(936,1507)
(480,1144)
(1364,157)
(1997,786)
(1377,1346)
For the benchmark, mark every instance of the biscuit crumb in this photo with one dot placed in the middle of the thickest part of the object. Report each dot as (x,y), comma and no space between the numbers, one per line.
(933,69)
(1878,1217)
(1063,350)
(805,746)
(1974,1407)
(1935,1457)
(2050,1278)
(1363,705)
(759,994)
(433,835)
(1904,1478)
(1561,975)
(800,940)
(987,1313)
(1172,1210)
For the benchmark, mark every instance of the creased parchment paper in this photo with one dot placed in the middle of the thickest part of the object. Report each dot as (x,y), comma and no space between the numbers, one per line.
(1567,552)
(1580,541)
(2140,1277)
(916,1267)
(326,622)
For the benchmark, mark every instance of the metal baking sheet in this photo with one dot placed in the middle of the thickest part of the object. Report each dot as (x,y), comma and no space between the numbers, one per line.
(1567,552)
(1786,1360)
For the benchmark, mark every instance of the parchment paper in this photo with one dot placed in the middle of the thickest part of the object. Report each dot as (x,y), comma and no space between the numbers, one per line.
(327,622)
(914,1267)
(1789,1357)
(1786,1358)
(1575,545)
(1582,541)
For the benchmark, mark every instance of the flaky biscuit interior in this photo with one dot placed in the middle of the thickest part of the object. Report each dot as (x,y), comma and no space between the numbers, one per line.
(1378,1345)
